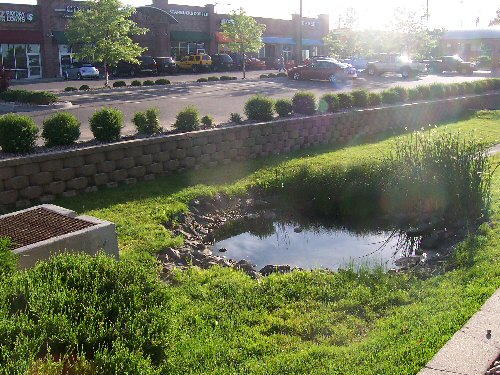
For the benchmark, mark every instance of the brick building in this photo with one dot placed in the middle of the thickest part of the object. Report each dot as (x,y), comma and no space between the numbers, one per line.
(33,43)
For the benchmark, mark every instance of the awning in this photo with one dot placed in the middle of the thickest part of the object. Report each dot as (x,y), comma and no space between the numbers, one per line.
(190,36)
(221,38)
(277,40)
(312,42)
(60,37)
(21,36)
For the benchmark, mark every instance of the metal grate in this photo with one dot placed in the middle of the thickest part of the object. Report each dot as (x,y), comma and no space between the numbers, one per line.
(37,225)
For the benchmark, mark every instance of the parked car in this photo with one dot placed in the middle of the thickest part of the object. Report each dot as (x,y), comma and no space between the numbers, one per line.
(395,63)
(195,63)
(254,63)
(147,66)
(271,62)
(327,69)
(451,64)
(166,65)
(79,70)
(221,62)
(358,62)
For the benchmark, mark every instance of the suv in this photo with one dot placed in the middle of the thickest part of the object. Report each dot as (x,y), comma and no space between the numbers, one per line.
(166,65)
(451,64)
(146,66)
(195,63)
(395,63)
(221,62)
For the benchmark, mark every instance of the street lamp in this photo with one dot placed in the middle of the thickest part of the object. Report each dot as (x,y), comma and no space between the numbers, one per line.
(299,42)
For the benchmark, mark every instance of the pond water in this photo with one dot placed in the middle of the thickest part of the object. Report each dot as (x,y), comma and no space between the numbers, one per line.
(264,242)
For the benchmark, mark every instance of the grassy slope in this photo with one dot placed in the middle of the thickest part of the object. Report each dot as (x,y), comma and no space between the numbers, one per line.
(311,322)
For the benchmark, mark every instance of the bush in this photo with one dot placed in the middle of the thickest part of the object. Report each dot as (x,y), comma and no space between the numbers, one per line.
(119,84)
(8,260)
(213,78)
(84,88)
(148,82)
(345,100)
(374,99)
(424,91)
(162,81)
(468,87)
(188,119)
(271,75)
(281,75)
(283,107)
(360,98)
(208,122)
(452,90)
(70,88)
(202,80)
(4,80)
(106,124)
(480,87)
(61,129)
(304,102)
(401,93)
(236,118)
(437,91)
(389,97)
(234,78)
(147,122)
(329,103)
(413,94)
(18,133)
(259,108)
(264,76)
(25,96)
(225,78)
(136,82)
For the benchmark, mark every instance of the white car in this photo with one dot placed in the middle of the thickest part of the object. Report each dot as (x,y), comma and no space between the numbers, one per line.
(78,70)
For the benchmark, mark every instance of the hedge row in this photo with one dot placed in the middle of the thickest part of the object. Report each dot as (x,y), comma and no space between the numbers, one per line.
(26,96)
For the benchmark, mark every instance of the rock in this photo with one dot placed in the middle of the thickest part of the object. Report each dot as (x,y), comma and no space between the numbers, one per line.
(405,262)
(172,254)
(270,268)
(297,229)
(222,250)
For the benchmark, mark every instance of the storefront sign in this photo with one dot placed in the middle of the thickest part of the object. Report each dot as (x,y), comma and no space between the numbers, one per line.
(188,13)
(310,23)
(70,10)
(16,16)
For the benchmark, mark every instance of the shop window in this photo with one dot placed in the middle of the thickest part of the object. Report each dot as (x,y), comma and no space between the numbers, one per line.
(305,54)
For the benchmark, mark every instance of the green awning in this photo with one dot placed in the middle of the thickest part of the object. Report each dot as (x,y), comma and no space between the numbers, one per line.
(60,37)
(190,36)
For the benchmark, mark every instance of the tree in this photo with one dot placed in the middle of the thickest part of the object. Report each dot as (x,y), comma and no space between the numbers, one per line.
(244,33)
(344,43)
(102,33)
(496,20)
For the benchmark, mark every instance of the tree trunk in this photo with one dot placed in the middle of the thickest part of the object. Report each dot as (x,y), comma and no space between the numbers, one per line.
(106,74)
(244,77)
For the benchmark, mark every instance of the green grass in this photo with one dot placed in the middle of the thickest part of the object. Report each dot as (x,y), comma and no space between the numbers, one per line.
(119,318)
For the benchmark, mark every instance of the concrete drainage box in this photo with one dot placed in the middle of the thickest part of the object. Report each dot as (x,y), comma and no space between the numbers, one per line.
(45,230)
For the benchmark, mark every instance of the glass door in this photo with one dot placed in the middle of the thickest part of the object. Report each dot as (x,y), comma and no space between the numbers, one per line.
(34,66)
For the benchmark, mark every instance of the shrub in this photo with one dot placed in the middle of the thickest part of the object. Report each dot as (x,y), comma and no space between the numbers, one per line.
(359,98)
(468,87)
(18,133)
(8,260)
(283,107)
(70,88)
(147,122)
(345,100)
(25,96)
(148,82)
(329,103)
(43,97)
(234,78)
(235,117)
(202,80)
(4,80)
(401,93)
(188,119)
(480,87)
(106,124)
(60,129)
(264,76)
(389,96)
(119,84)
(225,78)
(84,88)
(281,75)
(259,108)
(136,82)
(271,75)
(213,78)
(413,94)
(437,90)
(374,99)
(304,102)
(208,122)
(453,90)
(425,92)
(162,81)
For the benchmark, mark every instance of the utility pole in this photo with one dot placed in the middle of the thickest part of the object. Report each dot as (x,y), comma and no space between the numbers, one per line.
(299,42)
(427,14)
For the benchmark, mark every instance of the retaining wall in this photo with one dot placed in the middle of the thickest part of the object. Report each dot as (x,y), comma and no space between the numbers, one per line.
(44,177)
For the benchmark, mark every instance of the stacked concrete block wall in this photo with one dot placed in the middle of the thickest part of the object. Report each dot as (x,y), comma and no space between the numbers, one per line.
(44,177)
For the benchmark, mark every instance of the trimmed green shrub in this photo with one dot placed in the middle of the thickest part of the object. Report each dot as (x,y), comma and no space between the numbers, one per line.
(208,122)
(106,124)
(345,100)
(119,84)
(328,103)
(25,96)
(480,87)
(61,129)
(235,117)
(162,81)
(202,79)
(259,108)
(401,92)
(452,90)
(8,260)
(148,82)
(468,87)
(188,119)
(84,88)
(271,75)
(18,133)
(413,94)
(70,88)
(264,76)
(360,98)
(213,78)
(225,78)
(389,96)
(282,75)
(374,99)
(283,107)
(147,122)
(136,82)
(425,92)
(437,90)
(304,102)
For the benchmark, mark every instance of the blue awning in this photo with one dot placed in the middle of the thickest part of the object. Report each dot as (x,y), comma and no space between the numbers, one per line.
(312,42)
(277,40)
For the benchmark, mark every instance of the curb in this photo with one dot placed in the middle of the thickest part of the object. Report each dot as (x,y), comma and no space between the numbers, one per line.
(19,107)
(474,347)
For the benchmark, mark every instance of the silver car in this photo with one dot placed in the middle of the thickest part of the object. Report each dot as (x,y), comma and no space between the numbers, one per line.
(78,70)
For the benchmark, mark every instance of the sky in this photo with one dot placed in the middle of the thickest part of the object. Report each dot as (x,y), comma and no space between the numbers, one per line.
(372,14)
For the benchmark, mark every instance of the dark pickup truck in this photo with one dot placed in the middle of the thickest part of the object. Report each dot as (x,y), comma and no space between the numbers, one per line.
(450,64)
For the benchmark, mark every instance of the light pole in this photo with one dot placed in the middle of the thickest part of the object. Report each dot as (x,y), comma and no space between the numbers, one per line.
(299,42)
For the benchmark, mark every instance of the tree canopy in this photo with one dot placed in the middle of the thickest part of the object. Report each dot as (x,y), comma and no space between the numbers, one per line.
(496,20)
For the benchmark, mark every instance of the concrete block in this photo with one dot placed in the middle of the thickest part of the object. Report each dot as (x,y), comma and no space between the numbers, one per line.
(7,172)
(144,160)
(112,184)
(32,192)
(27,169)
(86,170)
(100,179)
(56,187)
(41,178)
(73,162)
(77,183)
(137,172)
(152,149)
(106,166)
(95,158)
(8,197)
(17,182)
(64,174)
(125,163)
(119,175)
(51,165)
(69,194)
(116,154)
